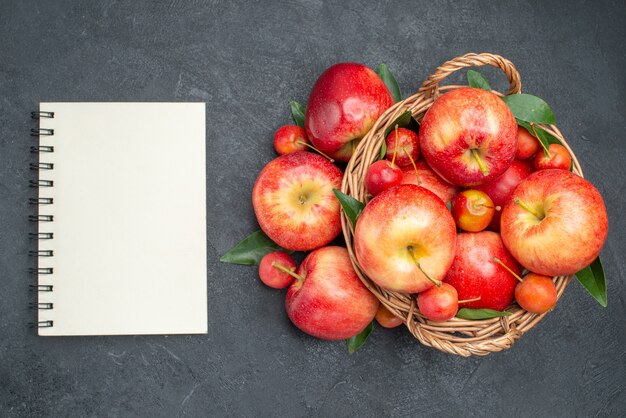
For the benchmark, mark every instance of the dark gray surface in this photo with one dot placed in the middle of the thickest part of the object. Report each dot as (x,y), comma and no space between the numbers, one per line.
(246,61)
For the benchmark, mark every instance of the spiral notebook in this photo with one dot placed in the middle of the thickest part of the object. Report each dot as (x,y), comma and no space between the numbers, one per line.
(121,214)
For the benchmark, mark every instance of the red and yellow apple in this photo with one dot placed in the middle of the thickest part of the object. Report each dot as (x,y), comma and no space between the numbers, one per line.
(343,105)
(404,239)
(472,210)
(330,301)
(294,202)
(475,274)
(423,175)
(555,222)
(468,136)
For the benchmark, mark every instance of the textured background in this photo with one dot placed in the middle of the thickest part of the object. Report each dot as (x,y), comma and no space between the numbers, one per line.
(246,60)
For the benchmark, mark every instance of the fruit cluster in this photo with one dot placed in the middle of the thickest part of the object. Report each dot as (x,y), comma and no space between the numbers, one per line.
(466,209)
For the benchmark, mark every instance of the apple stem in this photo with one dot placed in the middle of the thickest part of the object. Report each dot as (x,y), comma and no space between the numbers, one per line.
(481,163)
(527,208)
(497,260)
(315,149)
(417,176)
(469,300)
(545,149)
(497,208)
(288,271)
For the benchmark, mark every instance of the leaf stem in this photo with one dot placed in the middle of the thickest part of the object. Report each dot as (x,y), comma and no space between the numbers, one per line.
(470,300)
(545,149)
(417,176)
(395,148)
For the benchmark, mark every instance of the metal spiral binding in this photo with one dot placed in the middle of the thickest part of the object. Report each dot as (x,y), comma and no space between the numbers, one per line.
(41,167)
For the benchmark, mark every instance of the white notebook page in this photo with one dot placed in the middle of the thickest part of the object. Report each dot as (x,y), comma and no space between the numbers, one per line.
(129,219)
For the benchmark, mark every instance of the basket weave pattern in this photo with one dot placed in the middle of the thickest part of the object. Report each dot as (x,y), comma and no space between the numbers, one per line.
(455,336)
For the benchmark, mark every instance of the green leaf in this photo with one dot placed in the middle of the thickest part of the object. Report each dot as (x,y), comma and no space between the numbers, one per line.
(476,79)
(350,205)
(467,313)
(383,150)
(297,113)
(405,120)
(251,249)
(390,81)
(593,279)
(357,341)
(529,108)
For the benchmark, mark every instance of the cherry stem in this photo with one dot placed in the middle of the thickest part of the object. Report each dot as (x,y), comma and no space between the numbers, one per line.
(527,208)
(417,176)
(482,205)
(315,149)
(545,149)
(288,271)
(497,260)
(469,300)
(481,163)
(395,148)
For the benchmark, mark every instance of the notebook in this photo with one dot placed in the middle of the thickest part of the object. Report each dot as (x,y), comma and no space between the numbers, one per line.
(121,214)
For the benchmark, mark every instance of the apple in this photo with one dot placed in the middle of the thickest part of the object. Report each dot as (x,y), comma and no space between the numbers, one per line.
(438,303)
(557,157)
(423,175)
(343,105)
(472,210)
(408,146)
(386,319)
(501,189)
(330,301)
(475,274)
(294,202)
(468,136)
(382,175)
(290,138)
(277,269)
(536,293)
(404,239)
(555,223)
(527,144)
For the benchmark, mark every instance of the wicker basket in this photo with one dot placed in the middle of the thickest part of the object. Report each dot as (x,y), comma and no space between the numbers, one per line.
(455,336)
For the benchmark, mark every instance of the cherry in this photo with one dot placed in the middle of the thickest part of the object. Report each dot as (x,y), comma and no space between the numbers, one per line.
(290,138)
(536,293)
(405,143)
(473,210)
(438,303)
(557,157)
(386,319)
(382,175)
(277,270)
(527,145)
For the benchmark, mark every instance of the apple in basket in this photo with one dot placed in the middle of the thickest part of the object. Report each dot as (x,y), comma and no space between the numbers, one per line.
(405,238)
(328,300)
(423,175)
(555,223)
(343,105)
(468,136)
(294,202)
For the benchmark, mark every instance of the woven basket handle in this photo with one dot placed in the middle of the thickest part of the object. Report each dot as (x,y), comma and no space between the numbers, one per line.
(431,85)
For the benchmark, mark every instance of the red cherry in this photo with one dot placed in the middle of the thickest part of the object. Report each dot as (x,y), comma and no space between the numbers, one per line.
(277,269)
(559,158)
(472,210)
(408,142)
(438,303)
(527,145)
(290,138)
(382,175)
(386,319)
(536,293)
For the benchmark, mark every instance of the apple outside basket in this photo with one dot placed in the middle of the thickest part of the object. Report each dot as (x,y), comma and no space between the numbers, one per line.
(455,336)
